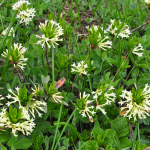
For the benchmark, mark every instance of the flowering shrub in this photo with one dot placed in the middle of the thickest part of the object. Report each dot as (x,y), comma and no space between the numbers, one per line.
(68,81)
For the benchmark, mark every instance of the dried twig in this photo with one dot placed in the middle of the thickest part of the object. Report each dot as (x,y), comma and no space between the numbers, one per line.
(144,24)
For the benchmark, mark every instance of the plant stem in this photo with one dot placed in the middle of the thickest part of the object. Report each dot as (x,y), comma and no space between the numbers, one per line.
(134,138)
(53,76)
(57,126)
(138,129)
(64,127)
(46,48)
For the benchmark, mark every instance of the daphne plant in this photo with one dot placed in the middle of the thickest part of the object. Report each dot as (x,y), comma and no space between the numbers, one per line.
(103,97)
(136,103)
(26,101)
(51,32)
(81,68)
(53,94)
(11,31)
(16,56)
(138,50)
(97,38)
(25,12)
(118,28)
(16,121)
(85,107)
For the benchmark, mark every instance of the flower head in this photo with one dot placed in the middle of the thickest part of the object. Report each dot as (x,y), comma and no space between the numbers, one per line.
(16,55)
(103,98)
(138,50)
(117,26)
(147,1)
(84,106)
(11,31)
(16,124)
(80,68)
(97,38)
(37,91)
(26,101)
(51,32)
(136,103)
(25,13)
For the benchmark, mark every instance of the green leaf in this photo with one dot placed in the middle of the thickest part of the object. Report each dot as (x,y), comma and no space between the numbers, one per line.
(14,82)
(125,142)
(84,133)
(66,142)
(130,82)
(26,71)
(4,135)
(43,6)
(45,80)
(111,61)
(2,147)
(91,145)
(37,5)
(135,73)
(120,125)
(23,144)
(12,140)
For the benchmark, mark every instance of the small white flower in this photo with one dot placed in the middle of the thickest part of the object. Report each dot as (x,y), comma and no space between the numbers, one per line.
(25,14)
(51,33)
(115,25)
(136,106)
(11,31)
(103,98)
(138,50)
(103,45)
(147,1)
(26,127)
(87,109)
(16,55)
(80,68)
(30,106)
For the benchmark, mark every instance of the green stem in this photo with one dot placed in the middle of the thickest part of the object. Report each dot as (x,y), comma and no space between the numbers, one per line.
(53,77)
(43,63)
(66,124)
(90,83)
(57,126)
(90,62)
(134,138)
(138,129)
(78,48)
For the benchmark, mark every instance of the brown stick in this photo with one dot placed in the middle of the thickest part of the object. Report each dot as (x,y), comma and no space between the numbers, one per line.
(139,26)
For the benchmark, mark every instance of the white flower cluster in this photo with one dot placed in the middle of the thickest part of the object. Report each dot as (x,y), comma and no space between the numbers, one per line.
(31,106)
(113,28)
(16,56)
(88,110)
(25,13)
(147,1)
(134,109)
(138,50)
(80,68)
(108,97)
(51,32)
(11,31)
(103,43)
(26,127)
